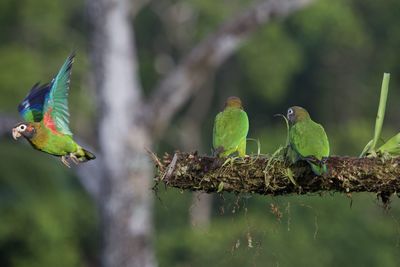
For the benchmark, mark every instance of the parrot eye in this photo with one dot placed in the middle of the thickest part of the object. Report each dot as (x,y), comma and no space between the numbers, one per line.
(22,127)
(290,111)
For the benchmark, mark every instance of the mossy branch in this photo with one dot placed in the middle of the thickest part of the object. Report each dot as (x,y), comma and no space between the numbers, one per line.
(256,174)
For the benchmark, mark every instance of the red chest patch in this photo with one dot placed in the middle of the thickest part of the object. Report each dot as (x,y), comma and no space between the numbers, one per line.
(49,122)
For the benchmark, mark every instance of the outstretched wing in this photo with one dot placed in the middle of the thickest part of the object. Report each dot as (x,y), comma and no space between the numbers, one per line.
(55,110)
(31,108)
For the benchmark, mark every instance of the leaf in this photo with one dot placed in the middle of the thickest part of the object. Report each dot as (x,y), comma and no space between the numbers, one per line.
(380,116)
(220,187)
(366,149)
(290,175)
(392,146)
(258,144)
(287,127)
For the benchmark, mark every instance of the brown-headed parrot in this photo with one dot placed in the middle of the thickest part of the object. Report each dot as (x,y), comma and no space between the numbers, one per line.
(308,139)
(46,126)
(230,129)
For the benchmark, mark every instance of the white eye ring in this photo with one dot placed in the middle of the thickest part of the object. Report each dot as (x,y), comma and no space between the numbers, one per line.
(22,127)
(290,111)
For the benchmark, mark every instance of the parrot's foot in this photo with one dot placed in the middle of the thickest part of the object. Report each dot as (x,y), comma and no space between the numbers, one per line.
(74,158)
(65,162)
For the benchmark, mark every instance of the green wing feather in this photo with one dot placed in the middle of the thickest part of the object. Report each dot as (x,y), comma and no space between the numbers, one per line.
(230,131)
(56,104)
(308,139)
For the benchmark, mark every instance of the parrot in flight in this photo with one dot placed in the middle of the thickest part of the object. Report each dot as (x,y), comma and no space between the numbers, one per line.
(45,111)
(307,139)
(230,129)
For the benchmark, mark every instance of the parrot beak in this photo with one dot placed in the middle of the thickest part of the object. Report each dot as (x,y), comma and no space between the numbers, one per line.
(15,133)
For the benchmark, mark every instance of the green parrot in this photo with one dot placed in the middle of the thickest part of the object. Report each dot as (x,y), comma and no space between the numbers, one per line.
(230,129)
(307,139)
(45,111)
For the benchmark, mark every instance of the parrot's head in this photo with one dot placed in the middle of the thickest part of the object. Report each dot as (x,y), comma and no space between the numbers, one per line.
(296,113)
(233,102)
(24,129)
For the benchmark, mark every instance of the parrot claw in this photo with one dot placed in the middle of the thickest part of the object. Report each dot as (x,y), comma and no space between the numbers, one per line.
(65,162)
(74,158)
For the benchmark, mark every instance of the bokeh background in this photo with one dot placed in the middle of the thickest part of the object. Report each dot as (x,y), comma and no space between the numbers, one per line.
(328,57)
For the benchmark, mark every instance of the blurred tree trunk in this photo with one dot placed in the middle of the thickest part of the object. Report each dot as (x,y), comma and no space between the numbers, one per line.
(126,199)
(200,211)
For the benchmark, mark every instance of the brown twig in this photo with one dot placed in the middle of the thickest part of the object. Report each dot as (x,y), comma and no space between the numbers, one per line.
(171,167)
(155,159)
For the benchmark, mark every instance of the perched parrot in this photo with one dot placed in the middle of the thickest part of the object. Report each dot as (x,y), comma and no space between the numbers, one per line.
(230,129)
(307,139)
(45,111)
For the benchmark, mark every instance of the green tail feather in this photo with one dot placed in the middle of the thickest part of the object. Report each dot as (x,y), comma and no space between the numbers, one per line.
(87,155)
(319,169)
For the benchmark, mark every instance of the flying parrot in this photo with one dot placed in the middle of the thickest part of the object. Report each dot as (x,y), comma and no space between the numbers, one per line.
(307,139)
(45,111)
(230,129)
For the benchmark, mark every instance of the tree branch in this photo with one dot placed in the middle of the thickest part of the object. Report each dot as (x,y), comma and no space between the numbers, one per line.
(180,84)
(272,177)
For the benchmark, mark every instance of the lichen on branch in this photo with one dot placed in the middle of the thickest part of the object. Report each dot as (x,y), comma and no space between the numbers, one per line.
(266,176)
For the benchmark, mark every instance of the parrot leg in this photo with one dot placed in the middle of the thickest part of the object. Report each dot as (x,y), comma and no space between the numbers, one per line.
(65,162)
(74,158)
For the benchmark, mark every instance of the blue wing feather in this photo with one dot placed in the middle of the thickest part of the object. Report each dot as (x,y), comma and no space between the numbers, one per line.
(31,107)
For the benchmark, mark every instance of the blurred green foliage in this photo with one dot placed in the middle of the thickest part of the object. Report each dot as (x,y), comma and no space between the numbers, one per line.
(327,230)
(328,58)
(46,218)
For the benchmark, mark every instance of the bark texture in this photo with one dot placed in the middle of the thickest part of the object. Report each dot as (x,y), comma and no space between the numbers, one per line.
(126,202)
(261,175)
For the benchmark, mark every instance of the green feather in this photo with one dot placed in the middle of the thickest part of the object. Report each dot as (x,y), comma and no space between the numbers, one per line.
(318,169)
(57,101)
(57,144)
(230,131)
